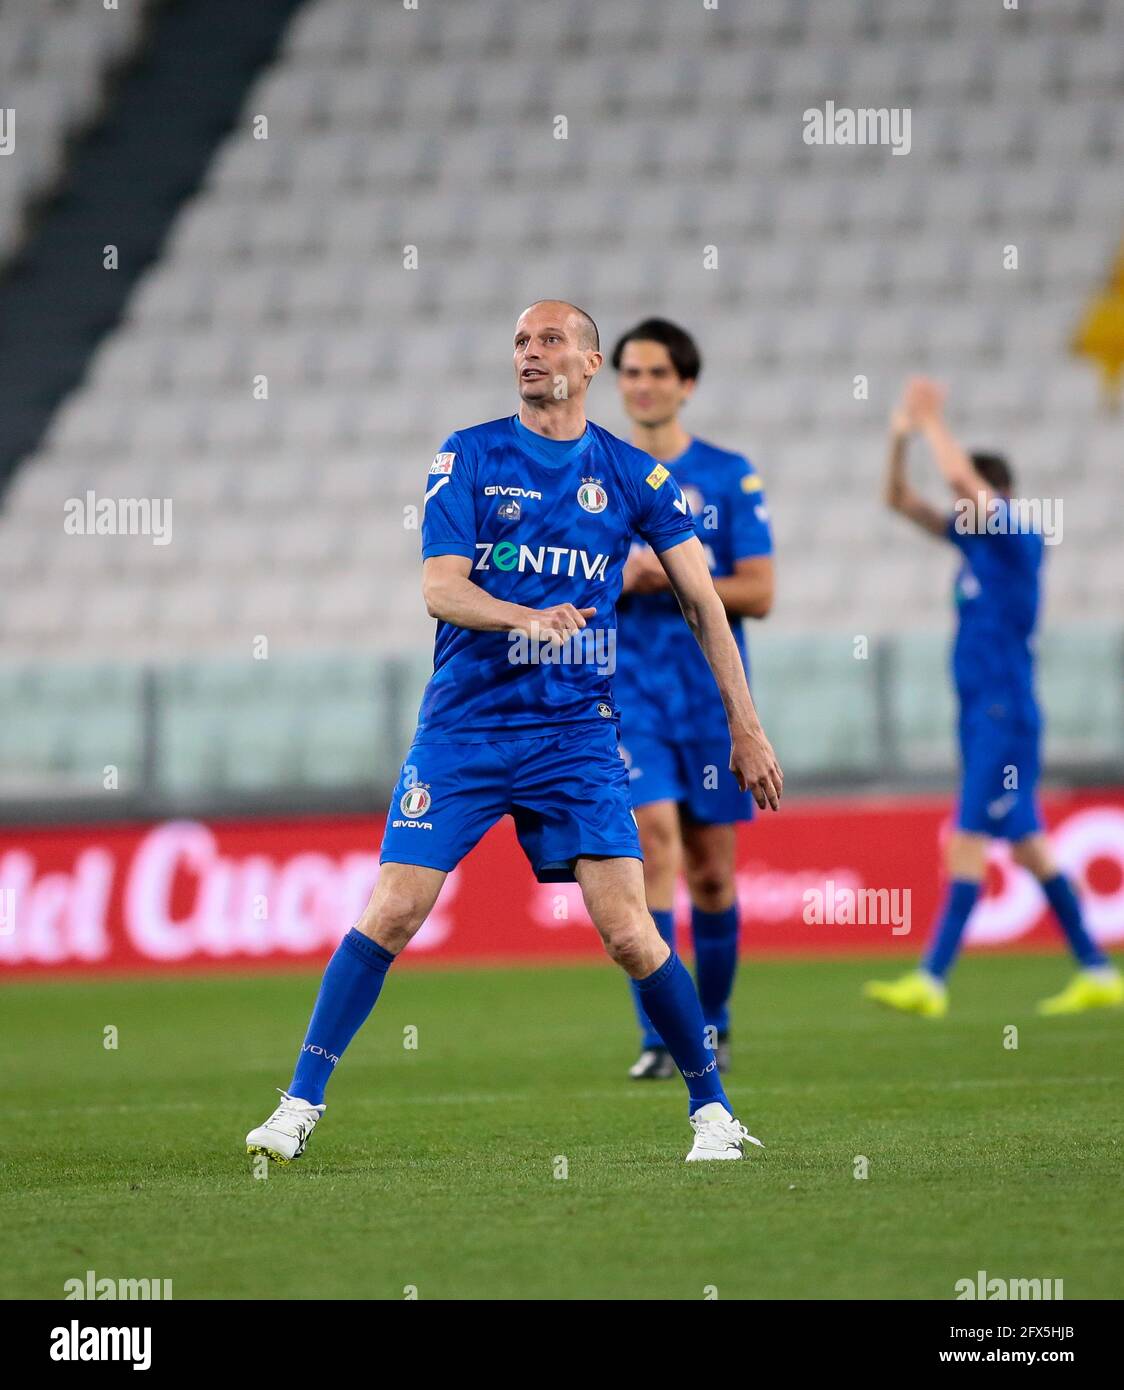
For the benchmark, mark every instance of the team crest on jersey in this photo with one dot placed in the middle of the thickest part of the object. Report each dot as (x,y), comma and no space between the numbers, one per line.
(442,463)
(604,710)
(415,802)
(592,497)
(657,477)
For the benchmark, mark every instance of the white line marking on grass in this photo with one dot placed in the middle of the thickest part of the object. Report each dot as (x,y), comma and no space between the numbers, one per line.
(562,1097)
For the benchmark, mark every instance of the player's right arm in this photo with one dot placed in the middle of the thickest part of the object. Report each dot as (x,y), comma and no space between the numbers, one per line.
(448,552)
(899,496)
(451,596)
(923,402)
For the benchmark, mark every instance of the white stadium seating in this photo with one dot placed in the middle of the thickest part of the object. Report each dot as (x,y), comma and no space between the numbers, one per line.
(435,129)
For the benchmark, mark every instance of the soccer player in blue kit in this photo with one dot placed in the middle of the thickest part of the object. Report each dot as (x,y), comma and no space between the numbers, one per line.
(997,599)
(525,533)
(673,726)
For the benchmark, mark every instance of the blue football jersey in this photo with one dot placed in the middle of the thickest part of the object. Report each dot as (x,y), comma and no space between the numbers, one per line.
(663,680)
(997,601)
(542,526)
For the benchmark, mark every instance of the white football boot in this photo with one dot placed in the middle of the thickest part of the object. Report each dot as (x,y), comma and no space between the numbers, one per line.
(284,1135)
(653,1064)
(717,1134)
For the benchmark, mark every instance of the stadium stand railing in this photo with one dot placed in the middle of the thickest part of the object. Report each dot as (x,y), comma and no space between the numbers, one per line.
(330,728)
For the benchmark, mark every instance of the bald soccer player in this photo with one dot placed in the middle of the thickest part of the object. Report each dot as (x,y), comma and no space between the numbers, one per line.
(527,526)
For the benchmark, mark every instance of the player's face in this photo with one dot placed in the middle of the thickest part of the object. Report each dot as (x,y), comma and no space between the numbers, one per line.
(651,389)
(550,361)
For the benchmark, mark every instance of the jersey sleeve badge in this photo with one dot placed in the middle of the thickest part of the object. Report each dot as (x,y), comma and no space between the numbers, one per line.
(751,483)
(657,477)
(442,463)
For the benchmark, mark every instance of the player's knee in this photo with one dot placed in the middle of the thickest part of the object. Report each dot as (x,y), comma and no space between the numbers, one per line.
(966,854)
(391,918)
(1033,853)
(626,941)
(712,888)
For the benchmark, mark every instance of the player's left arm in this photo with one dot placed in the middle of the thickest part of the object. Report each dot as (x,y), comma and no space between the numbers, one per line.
(752,759)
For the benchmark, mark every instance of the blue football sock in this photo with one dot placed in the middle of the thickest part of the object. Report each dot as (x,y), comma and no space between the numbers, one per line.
(958,904)
(649,1035)
(716,962)
(673,1006)
(351,984)
(1067,909)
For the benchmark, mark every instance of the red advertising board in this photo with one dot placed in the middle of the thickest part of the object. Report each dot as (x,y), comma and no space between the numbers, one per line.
(824,875)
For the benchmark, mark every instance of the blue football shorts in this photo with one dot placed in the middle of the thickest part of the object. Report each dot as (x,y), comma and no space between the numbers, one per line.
(999,754)
(694,773)
(566,791)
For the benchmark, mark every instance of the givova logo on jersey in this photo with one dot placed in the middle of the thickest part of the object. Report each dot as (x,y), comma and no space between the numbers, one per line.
(413,804)
(542,559)
(512,509)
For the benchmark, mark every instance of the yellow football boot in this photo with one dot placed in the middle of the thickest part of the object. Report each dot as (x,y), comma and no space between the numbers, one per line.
(1089,989)
(915,993)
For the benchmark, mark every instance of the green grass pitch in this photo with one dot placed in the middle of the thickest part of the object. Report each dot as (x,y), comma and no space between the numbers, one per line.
(435,1168)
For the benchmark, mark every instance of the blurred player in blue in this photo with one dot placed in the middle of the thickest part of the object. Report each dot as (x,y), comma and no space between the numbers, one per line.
(673,726)
(526,528)
(997,600)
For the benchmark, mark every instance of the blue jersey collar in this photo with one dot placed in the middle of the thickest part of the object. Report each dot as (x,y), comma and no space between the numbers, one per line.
(546,451)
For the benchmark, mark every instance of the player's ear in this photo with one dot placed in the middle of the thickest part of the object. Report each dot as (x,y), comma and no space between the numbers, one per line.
(688,385)
(593,362)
